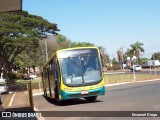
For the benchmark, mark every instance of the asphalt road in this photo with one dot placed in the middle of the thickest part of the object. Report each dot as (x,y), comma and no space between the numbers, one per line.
(129,97)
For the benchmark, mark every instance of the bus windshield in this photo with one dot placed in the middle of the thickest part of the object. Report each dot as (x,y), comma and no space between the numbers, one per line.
(81,70)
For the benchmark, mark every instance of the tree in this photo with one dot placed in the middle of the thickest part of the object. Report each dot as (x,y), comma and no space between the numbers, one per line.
(53,43)
(105,57)
(114,61)
(20,31)
(156,56)
(120,56)
(62,41)
(135,50)
(23,61)
(60,38)
(143,60)
(81,44)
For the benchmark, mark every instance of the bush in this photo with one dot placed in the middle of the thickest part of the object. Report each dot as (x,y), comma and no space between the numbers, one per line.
(114,67)
(17,87)
(35,85)
(12,77)
(19,76)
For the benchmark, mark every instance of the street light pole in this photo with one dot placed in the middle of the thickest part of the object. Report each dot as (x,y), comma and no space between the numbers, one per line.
(153,34)
(123,59)
(134,76)
(133,60)
(154,63)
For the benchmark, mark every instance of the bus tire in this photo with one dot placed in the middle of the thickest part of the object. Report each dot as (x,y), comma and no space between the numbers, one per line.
(91,98)
(58,101)
(45,92)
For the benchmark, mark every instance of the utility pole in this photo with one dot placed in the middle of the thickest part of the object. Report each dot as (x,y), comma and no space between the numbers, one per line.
(122,55)
(46,51)
(154,63)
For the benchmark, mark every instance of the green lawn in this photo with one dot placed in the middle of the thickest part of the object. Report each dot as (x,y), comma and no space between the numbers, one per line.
(36,83)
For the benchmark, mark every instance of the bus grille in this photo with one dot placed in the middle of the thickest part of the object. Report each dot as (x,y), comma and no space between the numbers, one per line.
(84,95)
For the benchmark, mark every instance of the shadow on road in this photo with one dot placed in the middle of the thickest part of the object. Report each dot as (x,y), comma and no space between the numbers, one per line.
(69,102)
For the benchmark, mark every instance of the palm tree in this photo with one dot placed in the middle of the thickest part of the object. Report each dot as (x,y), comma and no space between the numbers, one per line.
(135,50)
(120,56)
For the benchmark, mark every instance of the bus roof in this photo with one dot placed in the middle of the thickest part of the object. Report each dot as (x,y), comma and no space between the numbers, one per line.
(74,48)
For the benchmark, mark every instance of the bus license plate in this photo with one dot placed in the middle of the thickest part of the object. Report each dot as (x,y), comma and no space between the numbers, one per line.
(84,92)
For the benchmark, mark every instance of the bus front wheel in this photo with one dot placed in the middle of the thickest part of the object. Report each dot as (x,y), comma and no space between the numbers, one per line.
(58,101)
(91,98)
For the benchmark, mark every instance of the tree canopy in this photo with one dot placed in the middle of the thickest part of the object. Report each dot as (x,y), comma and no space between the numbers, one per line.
(22,41)
(21,31)
(156,56)
(135,49)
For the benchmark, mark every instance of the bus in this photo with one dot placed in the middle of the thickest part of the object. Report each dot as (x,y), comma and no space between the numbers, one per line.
(74,73)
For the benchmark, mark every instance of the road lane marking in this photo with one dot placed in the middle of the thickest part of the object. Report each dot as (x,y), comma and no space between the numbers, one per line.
(10,103)
(39,118)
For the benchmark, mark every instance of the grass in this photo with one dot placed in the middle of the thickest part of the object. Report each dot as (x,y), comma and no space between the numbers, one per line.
(118,78)
(19,84)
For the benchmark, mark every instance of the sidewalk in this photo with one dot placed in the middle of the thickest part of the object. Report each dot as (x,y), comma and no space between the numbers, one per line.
(18,102)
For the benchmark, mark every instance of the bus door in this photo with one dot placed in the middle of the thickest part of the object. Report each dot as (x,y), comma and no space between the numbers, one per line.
(57,80)
(49,84)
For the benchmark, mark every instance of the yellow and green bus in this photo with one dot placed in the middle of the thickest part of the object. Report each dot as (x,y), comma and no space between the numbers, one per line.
(74,73)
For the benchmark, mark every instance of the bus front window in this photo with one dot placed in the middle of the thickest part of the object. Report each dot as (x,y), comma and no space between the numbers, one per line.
(84,69)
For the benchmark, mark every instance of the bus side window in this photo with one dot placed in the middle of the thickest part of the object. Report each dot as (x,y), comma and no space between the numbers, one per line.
(55,70)
(52,68)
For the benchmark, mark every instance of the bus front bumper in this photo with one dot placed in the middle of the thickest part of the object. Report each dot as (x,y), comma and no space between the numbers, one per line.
(81,94)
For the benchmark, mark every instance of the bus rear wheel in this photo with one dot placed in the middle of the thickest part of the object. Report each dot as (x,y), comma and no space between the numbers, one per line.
(91,98)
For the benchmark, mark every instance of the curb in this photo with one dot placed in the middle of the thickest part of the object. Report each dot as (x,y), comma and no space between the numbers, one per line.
(110,73)
(116,84)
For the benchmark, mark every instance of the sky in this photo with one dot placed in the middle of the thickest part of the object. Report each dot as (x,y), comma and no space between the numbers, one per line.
(108,23)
